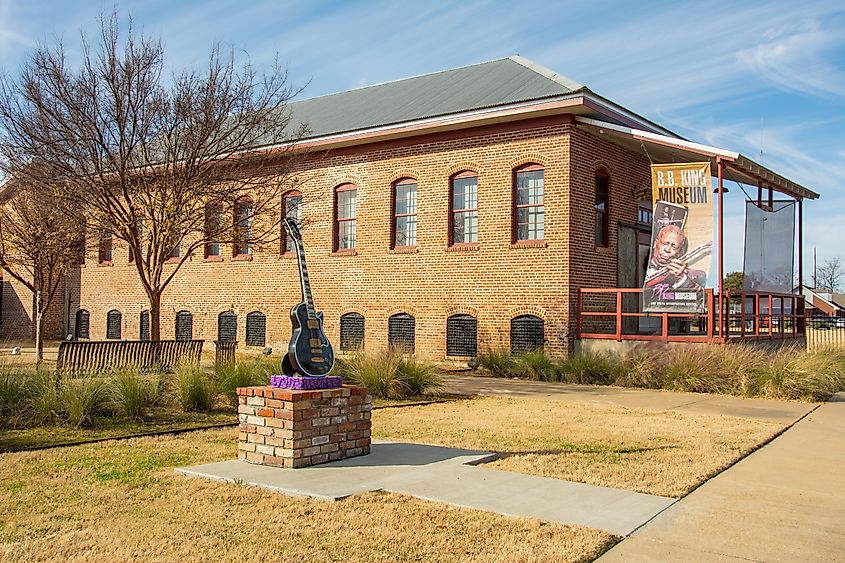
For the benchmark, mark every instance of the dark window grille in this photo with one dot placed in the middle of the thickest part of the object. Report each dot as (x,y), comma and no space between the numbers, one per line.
(144,324)
(462,336)
(113,319)
(184,326)
(82,324)
(527,333)
(351,332)
(227,326)
(256,327)
(401,331)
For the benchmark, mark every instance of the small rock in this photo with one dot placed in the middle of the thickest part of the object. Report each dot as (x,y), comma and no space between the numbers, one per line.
(16,351)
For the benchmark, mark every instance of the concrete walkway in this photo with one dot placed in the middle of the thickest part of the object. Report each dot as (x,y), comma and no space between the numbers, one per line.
(449,475)
(785,412)
(785,502)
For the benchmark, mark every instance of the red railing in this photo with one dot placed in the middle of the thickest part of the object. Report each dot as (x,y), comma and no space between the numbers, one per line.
(616,314)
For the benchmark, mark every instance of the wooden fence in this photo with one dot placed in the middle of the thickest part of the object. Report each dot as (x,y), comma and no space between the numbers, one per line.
(81,357)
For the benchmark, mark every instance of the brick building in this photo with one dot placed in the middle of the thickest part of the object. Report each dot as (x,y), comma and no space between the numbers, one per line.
(448,213)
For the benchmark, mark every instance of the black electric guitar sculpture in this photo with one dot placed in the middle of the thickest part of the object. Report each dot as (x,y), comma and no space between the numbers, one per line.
(309,352)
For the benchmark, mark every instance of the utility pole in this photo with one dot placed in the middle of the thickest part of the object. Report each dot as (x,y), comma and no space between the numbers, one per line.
(815,285)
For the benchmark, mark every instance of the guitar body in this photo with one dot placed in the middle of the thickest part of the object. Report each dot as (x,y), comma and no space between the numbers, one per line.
(309,353)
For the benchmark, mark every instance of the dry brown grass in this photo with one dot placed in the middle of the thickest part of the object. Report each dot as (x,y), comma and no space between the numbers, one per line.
(656,452)
(122,501)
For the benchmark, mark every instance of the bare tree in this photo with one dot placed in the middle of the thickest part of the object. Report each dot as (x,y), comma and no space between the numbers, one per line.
(147,155)
(39,244)
(830,275)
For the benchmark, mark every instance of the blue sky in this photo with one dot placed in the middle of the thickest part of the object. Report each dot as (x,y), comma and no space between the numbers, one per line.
(748,76)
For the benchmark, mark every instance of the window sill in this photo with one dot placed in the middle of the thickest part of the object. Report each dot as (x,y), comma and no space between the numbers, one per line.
(213,259)
(471,247)
(529,244)
(348,252)
(173,260)
(403,250)
(105,263)
(604,250)
(242,258)
(289,255)
(458,358)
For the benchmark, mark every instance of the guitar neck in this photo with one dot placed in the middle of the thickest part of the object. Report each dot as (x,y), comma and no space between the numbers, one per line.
(303,279)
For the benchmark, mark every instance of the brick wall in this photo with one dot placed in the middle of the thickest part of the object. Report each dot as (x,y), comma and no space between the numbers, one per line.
(493,280)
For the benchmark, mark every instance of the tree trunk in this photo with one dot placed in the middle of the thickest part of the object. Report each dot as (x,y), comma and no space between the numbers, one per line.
(39,328)
(155,316)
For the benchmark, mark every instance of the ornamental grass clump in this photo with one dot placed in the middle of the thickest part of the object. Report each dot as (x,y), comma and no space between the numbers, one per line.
(390,375)
(245,373)
(590,368)
(536,365)
(15,390)
(498,363)
(80,400)
(194,388)
(134,394)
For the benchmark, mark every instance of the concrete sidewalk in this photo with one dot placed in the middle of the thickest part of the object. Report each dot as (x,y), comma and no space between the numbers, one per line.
(785,412)
(449,475)
(785,502)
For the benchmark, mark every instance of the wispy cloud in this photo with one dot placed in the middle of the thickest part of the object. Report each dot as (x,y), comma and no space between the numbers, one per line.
(794,59)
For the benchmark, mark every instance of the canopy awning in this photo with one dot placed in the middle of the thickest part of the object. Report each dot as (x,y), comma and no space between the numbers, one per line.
(664,149)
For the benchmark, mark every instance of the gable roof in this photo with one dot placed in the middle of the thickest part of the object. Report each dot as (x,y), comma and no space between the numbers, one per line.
(491,84)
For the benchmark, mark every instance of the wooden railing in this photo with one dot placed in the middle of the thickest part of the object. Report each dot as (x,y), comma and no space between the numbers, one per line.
(616,314)
(80,357)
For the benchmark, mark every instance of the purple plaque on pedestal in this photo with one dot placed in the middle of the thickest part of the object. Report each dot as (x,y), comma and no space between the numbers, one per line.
(305,383)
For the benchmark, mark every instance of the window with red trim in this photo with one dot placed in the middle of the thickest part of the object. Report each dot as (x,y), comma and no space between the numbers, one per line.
(292,208)
(213,224)
(529,210)
(405,213)
(602,208)
(463,208)
(345,217)
(243,227)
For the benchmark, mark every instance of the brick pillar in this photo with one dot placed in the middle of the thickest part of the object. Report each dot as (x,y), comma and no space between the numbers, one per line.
(293,428)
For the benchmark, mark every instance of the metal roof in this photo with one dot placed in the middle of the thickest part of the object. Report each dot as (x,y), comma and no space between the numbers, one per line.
(484,85)
(661,148)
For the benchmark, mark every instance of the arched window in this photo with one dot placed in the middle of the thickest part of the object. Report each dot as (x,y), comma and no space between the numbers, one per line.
(345,215)
(227,326)
(256,327)
(213,226)
(463,208)
(528,206)
(243,215)
(144,325)
(113,322)
(462,336)
(351,332)
(602,208)
(82,324)
(106,245)
(292,208)
(401,332)
(404,213)
(527,333)
(184,326)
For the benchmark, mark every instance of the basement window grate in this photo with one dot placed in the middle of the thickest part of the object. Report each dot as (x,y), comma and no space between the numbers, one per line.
(462,336)
(527,333)
(401,329)
(351,332)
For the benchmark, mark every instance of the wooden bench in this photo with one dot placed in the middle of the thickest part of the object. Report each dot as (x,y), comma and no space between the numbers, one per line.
(85,357)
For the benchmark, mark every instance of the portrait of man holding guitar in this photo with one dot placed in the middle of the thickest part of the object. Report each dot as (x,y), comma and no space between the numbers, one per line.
(670,261)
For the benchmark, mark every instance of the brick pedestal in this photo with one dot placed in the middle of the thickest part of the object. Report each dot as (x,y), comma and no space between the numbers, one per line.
(293,428)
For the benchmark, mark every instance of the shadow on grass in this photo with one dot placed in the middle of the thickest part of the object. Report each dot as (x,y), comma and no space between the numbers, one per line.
(110,428)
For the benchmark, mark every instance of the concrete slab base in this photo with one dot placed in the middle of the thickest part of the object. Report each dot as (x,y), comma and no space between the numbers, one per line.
(450,475)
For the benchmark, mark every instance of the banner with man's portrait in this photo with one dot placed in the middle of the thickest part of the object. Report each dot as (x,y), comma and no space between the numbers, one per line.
(681,238)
